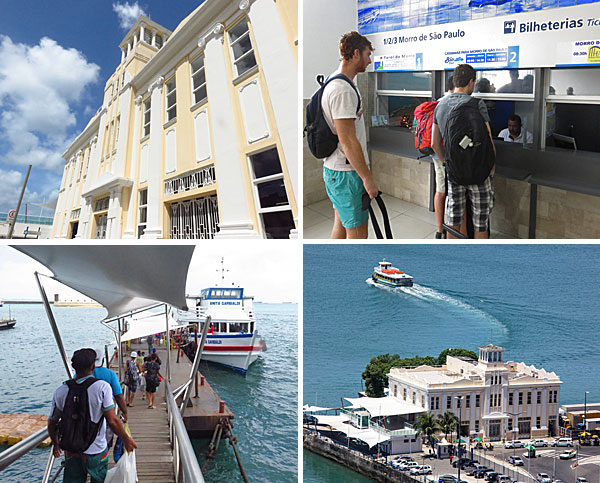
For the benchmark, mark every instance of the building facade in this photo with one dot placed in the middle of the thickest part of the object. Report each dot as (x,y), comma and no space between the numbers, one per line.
(499,399)
(197,133)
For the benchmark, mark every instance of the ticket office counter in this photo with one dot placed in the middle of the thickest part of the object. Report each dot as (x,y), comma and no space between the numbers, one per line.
(546,187)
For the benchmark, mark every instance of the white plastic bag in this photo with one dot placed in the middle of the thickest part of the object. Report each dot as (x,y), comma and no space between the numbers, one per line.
(124,471)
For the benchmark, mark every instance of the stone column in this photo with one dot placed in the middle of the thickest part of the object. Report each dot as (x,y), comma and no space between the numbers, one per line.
(119,161)
(154,38)
(128,47)
(70,193)
(130,231)
(235,220)
(141,33)
(281,74)
(154,227)
(122,55)
(113,228)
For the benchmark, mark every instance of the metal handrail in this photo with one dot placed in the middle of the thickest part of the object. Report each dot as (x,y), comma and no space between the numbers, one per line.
(187,469)
(22,447)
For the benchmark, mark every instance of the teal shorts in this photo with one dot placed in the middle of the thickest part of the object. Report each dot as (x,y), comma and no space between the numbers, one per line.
(345,190)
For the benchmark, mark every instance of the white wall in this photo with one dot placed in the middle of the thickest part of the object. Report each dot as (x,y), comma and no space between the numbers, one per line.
(324,22)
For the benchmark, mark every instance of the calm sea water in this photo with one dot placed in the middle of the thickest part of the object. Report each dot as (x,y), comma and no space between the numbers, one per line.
(264,402)
(540,302)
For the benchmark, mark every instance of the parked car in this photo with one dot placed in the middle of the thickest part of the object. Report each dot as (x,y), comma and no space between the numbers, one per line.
(563,442)
(407,465)
(581,479)
(515,460)
(447,479)
(568,454)
(475,468)
(469,464)
(482,473)
(543,478)
(491,476)
(538,443)
(504,479)
(514,444)
(459,461)
(421,470)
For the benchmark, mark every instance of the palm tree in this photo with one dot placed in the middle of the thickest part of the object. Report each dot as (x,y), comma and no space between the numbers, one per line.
(427,425)
(447,422)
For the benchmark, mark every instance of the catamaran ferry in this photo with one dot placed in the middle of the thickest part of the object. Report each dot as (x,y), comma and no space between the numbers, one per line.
(385,274)
(232,339)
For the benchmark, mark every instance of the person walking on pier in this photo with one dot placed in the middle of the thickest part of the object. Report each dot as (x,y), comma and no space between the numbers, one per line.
(152,369)
(109,376)
(80,429)
(131,378)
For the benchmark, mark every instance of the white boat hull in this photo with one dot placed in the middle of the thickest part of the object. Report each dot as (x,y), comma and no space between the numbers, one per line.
(234,350)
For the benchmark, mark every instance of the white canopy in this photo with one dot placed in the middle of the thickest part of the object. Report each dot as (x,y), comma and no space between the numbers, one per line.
(369,436)
(120,277)
(147,323)
(384,406)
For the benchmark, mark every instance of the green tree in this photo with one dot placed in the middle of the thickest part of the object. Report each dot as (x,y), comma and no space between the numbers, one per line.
(441,360)
(447,422)
(427,425)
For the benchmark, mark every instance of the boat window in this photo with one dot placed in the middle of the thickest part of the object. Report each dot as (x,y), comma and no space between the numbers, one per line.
(252,330)
(244,327)
(223,326)
(235,327)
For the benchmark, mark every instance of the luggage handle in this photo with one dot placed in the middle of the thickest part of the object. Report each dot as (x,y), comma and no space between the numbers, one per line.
(366,204)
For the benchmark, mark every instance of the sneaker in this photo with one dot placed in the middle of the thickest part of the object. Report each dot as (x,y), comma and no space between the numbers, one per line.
(439,236)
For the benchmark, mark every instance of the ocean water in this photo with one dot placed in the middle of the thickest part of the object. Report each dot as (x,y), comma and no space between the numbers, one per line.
(540,302)
(264,402)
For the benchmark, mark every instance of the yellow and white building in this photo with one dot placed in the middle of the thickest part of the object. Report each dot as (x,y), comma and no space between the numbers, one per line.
(499,399)
(197,134)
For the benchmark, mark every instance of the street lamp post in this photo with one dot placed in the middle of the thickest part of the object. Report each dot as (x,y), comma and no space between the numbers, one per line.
(459,398)
(585,411)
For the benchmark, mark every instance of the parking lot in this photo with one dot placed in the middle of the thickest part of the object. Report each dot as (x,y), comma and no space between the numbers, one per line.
(586,464)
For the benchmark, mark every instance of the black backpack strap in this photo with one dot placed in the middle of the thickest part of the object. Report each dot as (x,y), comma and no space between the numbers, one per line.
(366,203)
(345,78)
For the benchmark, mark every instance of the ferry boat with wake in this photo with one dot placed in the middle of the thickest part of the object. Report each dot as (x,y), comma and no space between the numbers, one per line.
(233,339)
(386,274)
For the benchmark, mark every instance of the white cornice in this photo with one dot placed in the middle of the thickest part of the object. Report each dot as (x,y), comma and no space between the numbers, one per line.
(85,137)
(107,182)
(190,36)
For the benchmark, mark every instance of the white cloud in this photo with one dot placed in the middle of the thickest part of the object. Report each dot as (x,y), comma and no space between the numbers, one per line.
(39,86)
(12,183)
(127,13)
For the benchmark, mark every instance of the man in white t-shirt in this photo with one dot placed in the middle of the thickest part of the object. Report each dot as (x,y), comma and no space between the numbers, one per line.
(346,172)
(514,133)
(94,459)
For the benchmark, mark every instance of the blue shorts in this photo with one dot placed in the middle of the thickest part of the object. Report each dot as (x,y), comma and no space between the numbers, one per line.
(345,190)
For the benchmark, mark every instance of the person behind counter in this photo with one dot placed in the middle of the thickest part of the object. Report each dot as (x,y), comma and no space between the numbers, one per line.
(514,133)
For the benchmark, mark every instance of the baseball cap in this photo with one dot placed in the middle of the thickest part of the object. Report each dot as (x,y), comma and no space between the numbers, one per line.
(134,354)
(99,357)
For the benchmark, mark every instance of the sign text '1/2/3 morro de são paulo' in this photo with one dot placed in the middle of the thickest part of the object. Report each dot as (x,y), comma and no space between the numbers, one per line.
(196,136)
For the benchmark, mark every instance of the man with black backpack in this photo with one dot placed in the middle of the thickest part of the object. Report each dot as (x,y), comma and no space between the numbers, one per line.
(81,409)
(346,165)
(468,150)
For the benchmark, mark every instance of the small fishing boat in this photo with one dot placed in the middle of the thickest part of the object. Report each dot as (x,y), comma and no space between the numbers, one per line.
(7,323)
(386,274)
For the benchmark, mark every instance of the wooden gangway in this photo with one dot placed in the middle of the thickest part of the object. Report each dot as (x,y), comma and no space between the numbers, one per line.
(150,430)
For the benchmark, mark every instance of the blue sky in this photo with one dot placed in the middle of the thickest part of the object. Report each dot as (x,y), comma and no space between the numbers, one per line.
(55,57)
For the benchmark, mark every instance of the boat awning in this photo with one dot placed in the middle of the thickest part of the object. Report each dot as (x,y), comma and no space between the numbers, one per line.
(338,423)
(384,406)
(122,278)
(147,323)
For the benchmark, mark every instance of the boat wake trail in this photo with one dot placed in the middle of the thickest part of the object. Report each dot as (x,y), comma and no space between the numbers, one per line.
(433,296)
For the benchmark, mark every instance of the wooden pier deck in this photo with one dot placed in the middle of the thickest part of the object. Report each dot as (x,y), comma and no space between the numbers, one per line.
(150,427)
